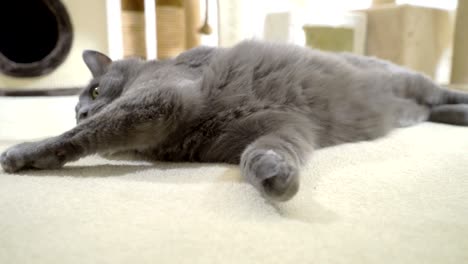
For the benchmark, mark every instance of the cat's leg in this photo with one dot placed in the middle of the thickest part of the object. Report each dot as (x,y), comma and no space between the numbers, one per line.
(272,162)
(445,105)
(128,123)
(405,82)
(420,88)
(424,98)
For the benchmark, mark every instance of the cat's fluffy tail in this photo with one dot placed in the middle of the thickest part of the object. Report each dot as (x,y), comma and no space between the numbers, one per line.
(453,108)
(455,114)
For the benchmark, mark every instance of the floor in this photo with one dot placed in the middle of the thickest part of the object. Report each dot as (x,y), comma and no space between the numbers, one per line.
(399,199)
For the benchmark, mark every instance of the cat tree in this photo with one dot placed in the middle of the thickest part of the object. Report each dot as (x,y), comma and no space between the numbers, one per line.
(382,2)
(173,27)
(460,55)
(413,36)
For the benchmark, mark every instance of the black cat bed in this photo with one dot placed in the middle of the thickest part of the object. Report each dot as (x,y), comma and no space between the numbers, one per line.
(36,36)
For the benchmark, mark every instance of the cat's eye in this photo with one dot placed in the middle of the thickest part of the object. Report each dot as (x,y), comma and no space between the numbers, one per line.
(95,92)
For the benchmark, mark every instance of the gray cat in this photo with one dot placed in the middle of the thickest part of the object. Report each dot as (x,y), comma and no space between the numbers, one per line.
(264,106)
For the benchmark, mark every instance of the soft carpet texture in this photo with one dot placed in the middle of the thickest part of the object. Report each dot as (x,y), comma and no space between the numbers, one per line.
(400,199)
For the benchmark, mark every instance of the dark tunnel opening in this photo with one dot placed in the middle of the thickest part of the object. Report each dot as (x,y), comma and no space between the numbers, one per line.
(35,36)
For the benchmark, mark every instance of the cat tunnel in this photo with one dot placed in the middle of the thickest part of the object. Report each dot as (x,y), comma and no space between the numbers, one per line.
(35,37)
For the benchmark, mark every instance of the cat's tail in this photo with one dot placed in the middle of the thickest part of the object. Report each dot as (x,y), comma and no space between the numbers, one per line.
(446,105)
(425,91)
(455,114)
(452,109)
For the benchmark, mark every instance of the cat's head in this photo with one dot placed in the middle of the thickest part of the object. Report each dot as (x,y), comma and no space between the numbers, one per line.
(108,83)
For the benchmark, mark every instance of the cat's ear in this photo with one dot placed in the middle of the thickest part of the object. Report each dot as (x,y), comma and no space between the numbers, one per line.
(97,62)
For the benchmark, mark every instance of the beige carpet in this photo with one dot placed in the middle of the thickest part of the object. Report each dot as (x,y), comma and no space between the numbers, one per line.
(401,199)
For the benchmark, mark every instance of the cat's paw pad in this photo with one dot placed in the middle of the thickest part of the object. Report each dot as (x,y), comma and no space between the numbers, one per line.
(30,155)
(275,177)
(13,159)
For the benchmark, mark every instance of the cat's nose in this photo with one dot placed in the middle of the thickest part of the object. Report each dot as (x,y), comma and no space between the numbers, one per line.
(82,114)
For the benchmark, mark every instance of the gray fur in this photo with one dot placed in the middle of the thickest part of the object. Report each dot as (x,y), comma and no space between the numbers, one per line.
(261,105)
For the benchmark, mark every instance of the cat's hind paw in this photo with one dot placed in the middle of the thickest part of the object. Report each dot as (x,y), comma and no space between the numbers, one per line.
(271,174)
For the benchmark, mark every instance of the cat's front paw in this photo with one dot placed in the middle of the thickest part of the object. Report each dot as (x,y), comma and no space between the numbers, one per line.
(30,155)
(271,174)
(12,160)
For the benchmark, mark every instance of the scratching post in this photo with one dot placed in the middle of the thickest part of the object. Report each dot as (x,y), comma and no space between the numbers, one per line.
(382,2)
(412,36)
(460,53)
(192,23)
(133,28)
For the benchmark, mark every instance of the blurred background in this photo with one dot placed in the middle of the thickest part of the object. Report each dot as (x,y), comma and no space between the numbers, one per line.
(44,50)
